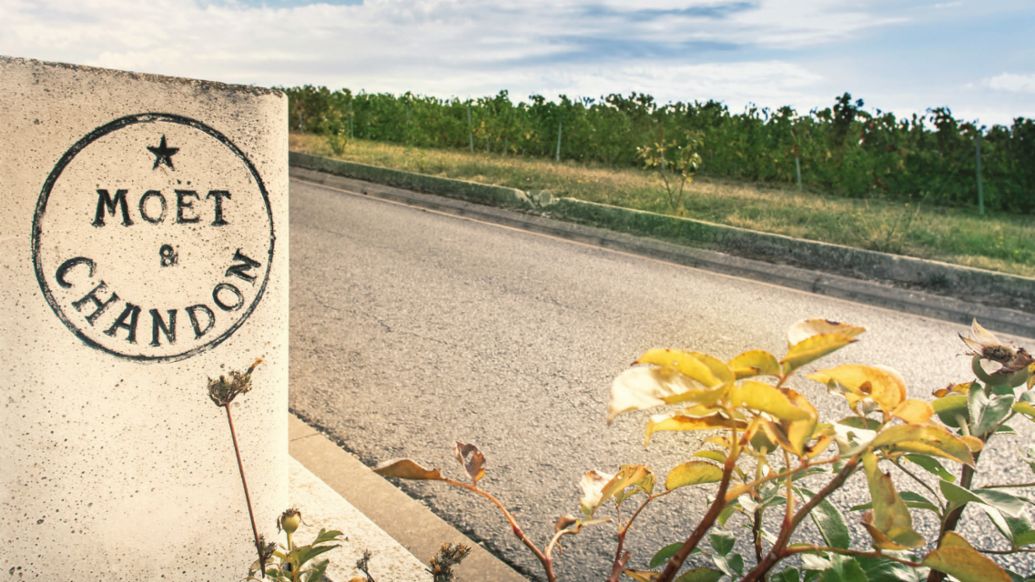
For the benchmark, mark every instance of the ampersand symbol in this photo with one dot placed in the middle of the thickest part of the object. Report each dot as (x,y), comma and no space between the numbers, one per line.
(168,255)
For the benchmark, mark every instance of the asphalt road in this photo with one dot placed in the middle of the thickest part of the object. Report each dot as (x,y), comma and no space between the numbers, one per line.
(412,329)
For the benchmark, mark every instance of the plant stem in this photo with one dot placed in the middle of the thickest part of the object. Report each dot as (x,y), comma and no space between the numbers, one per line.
(676,562)
(741,489)
(849,552)
(544,559)
(244,483)
(621,556)
(937,498)
(778,551)
(952,519)
(1008,485)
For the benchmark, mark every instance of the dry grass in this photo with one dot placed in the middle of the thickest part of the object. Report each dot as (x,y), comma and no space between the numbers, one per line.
(998,242)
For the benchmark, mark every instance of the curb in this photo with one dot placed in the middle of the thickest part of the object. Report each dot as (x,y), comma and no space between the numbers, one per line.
(881,294)
(411,524)
(964,284)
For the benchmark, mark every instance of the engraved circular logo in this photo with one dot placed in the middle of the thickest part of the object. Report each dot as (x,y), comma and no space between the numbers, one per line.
(153,238)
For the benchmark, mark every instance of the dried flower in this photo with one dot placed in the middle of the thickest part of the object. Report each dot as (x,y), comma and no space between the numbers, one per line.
(1015,363)
(225,389)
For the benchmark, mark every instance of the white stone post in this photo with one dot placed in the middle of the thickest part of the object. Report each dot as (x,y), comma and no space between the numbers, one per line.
(143,249)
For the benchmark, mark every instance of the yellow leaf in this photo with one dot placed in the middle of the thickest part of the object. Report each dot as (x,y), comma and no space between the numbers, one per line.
(763,397)
(800,431)
(914,411)
(814,348)
(807,328)
(641,575)
(678,422)
(883,385)
(682,362)
(890,523)
(1025,408)
(692,473)
(717,456)
(643,387)
(755,363)
(717,367)
(629,480)
(973,443)
(929,439)
(959,559)
(703,396)
(407,469)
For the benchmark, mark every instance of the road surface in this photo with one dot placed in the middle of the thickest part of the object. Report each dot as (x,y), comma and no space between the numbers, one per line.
(412,329)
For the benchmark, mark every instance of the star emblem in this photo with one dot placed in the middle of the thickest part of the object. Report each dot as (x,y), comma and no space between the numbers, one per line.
(163,154)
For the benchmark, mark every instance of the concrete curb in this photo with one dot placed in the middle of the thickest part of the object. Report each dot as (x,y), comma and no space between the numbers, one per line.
(388,508)
(963,284)
(881,294)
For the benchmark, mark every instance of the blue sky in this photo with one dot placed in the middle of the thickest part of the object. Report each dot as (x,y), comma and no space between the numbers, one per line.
(975,57)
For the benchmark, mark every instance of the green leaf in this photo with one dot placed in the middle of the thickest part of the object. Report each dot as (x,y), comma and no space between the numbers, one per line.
(955,557)
(998,521)
(664,554)
(1021,530)
(326,535)
(956,495)
(788,575)
(950,408)
(318,572)
(987,411)
(1008,503)
(829,521)
(881,569)
(722,543)
(700,575)
(912,500)
(844,570)
(305,553)
(932,466)
(731,565)
(692,473)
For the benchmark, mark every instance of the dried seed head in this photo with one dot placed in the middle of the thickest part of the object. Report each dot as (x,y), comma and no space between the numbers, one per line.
(223,390)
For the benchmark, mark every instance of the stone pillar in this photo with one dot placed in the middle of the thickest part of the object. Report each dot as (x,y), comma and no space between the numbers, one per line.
(143,249)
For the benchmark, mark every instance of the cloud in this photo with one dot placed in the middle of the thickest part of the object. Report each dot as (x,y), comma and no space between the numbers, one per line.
(1011,83)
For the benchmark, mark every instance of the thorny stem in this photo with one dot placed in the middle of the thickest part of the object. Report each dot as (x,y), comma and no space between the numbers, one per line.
(244,483)
(848,552)
(756,524)
(544,559)
(779,549)
(718,504)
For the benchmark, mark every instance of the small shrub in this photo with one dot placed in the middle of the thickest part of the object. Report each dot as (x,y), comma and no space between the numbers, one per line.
(771,463)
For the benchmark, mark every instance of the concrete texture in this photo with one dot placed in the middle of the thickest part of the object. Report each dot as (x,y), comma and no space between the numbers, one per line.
(143,248)
(412,329)
(408,522)
(962,283)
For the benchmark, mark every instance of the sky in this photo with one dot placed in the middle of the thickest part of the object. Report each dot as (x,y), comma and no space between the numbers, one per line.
(975,57)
